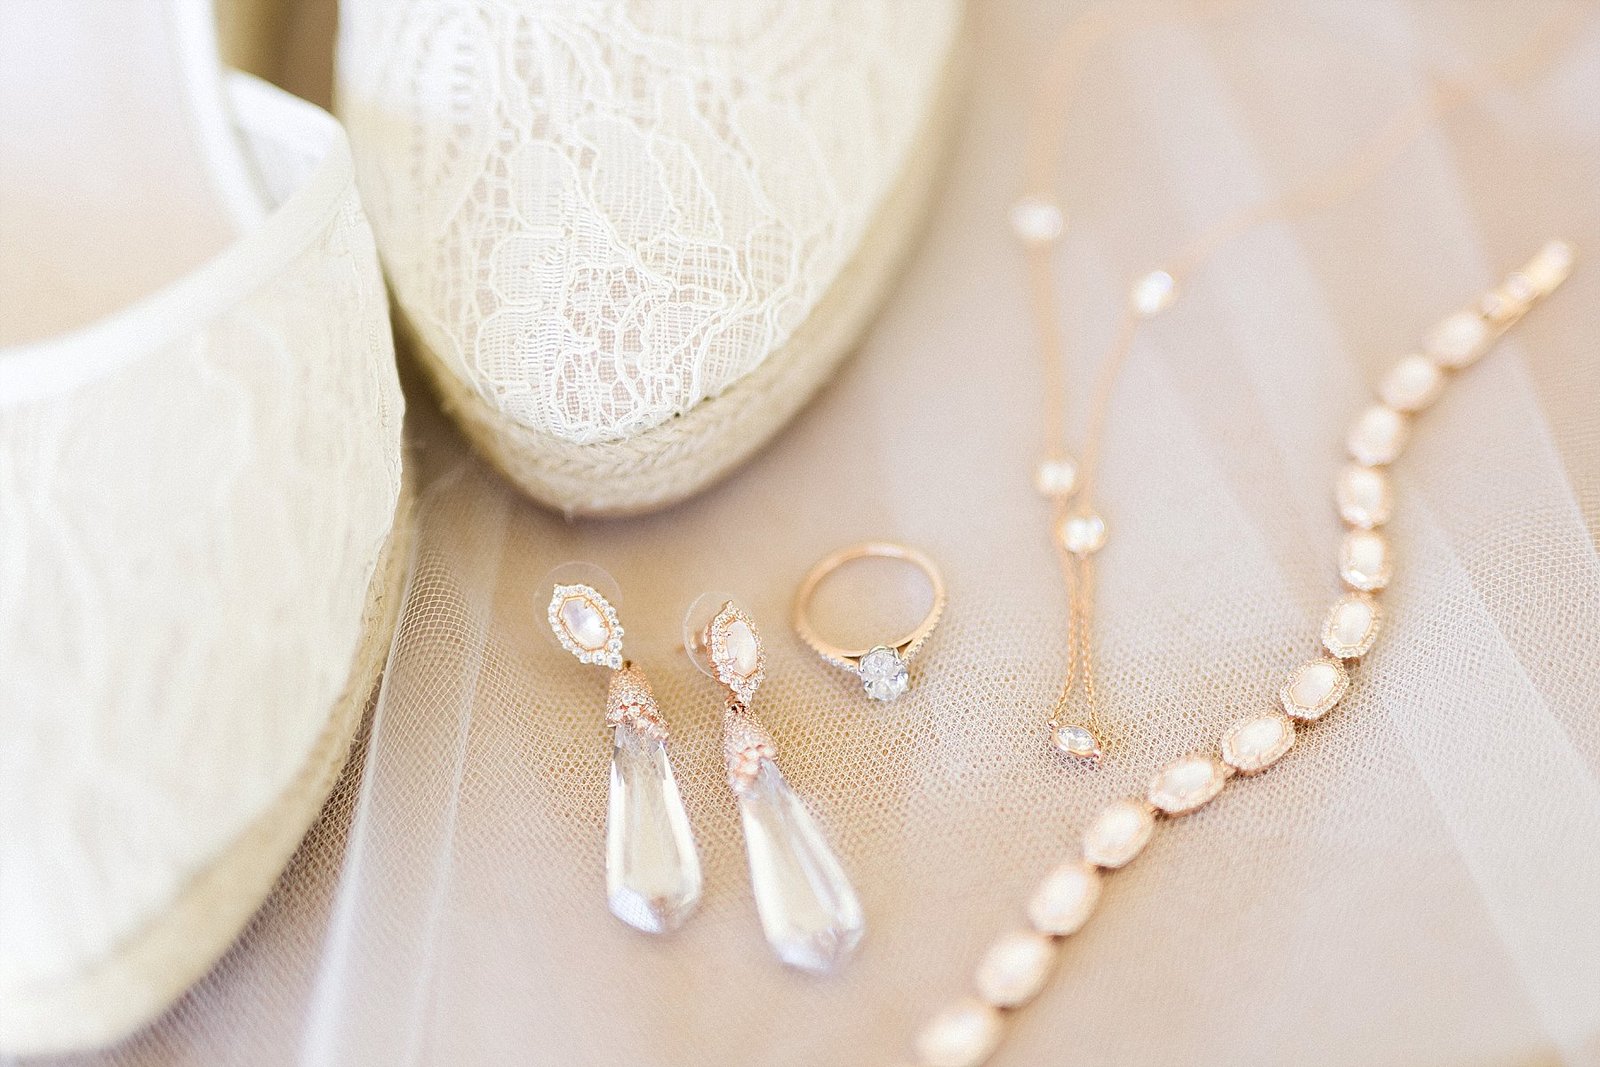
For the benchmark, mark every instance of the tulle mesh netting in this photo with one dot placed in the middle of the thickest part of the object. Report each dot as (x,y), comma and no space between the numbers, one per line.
(1417,883)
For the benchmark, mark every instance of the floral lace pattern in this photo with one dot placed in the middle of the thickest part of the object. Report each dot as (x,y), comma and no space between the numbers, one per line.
(599,214)
(186,544)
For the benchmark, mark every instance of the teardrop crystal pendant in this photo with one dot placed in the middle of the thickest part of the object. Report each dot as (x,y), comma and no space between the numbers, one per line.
(652,869)
(809,910)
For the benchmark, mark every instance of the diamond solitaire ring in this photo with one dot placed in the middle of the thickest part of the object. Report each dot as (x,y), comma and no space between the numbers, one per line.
(882,667)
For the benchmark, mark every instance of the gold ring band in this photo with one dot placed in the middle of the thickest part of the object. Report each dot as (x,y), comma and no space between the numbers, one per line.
(881,667)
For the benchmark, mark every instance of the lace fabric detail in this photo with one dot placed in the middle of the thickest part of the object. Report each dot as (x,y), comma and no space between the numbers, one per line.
(186,544)
(601,214)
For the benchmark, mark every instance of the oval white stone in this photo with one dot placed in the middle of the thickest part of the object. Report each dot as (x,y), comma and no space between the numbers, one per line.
(1362,494)
(1015,968)
(1185,784)
(1152,293)
(1314,688)
(1075,741)
(1057,476)
(1036,221)
(1065,899)
(962,1035)
(1083,534)
(1412,384)
(1377,436)
(743,648)
(584,623)
(1364,560)
(1257,743)
(1550,267)
(1118,834)
(1458,340)
(1351,626)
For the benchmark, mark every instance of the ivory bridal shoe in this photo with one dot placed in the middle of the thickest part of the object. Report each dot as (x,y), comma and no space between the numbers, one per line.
(630,240)
(199,491)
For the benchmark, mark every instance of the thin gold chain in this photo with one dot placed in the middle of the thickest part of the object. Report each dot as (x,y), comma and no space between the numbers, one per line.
(1042,163)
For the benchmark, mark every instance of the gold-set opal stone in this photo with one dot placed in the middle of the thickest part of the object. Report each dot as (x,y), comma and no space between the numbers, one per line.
(1016,966)
(1256,743)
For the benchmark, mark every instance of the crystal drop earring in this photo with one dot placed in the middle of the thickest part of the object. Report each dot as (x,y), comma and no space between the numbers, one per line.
(809,910)
(652,868)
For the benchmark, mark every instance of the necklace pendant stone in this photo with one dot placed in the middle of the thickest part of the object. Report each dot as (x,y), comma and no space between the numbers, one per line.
(1056,476)
(1075,741)
(1083,534)
(1036,221)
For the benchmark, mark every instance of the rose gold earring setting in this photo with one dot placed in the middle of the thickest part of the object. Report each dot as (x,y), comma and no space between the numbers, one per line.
(809,910)
(884,669)
(653,874)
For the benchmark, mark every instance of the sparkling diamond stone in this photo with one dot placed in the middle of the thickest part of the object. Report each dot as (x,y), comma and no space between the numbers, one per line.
(1183,785)
(1075,741)
(883,674)
(1363,496)
(584,623)
(1550,267)
(1458,340)
(1036,221)
(1065,899)
(1257,743)
(963,1035)
(809,910)
(1377,437)
(1411,384)
(1015,968)
(652,868)
(1057,476)
(1152,293)
(1083,534)
(1351,626)
(1314,688)
(1364,560)
(1118,834)
(743,647)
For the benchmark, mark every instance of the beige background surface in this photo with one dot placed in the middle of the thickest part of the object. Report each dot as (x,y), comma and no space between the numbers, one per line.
(1419,881)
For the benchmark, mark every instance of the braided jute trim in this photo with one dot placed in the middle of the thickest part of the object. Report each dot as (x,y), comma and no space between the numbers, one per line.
(671,461)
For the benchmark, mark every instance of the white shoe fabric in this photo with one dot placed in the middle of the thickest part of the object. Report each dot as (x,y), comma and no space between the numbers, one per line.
(597,217)
(197,503)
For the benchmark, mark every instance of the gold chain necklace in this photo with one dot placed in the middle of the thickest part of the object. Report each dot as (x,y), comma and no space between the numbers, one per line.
(1076,727)
(1017,965)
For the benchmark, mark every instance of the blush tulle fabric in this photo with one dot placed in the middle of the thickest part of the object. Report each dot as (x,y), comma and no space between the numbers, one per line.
(1417,882)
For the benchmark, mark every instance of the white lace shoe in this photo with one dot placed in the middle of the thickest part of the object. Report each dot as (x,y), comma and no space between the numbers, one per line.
(630,240)
(199,485)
